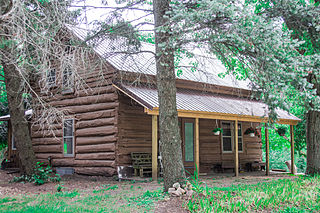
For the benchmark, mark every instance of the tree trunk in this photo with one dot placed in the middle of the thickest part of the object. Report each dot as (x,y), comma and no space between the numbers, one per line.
(18,120)
(313,142)
(170,139)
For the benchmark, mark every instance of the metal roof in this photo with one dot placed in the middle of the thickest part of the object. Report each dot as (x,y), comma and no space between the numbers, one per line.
(192,100)
(115,51)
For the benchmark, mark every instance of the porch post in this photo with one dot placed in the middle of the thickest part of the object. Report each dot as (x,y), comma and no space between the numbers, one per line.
(267,150)
(154,147)
(197,154)
(236,149)
(292,150)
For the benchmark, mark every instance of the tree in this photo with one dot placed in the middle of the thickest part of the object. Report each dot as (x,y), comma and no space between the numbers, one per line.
(168,116)
(302,19)
(27,46)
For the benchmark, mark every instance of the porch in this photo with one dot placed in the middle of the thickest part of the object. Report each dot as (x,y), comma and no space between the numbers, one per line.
(198,110)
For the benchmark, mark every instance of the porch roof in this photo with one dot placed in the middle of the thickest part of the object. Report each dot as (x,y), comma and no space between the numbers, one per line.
(200,104)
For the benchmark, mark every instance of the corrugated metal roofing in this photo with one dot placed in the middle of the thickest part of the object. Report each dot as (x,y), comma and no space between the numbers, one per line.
(207,102)
(143,61)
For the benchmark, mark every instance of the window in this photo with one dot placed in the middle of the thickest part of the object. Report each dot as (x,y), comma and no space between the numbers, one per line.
(67,78)
(51,77)
(228,137)
(68,137)
(13,143)
(240,139)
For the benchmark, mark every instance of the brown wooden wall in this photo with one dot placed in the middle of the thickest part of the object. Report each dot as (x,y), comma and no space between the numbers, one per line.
(211,148)
(135,130)
(94,107)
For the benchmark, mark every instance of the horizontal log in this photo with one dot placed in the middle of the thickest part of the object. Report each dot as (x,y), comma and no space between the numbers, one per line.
(96,115)
(110,97)
(48,149)
(90,163)
(109,147)
(47,133)
(97,131)
(95,140)
(46,141)
(95,171)
(95,123)
(47,155)
(96,156)
(90,108)
(38,127)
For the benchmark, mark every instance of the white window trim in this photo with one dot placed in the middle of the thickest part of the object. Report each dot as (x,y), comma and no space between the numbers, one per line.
(73,138)
(232,137)
(12,141)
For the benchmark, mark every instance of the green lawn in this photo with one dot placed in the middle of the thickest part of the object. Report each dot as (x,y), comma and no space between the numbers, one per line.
(107,198)
(285,195)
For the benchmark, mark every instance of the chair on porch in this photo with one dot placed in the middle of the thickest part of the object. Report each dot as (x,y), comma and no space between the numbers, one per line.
(142,163)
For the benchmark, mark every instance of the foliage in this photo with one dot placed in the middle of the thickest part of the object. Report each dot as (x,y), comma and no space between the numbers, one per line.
(217,130)
(283,194)
(40,176)
(282,130)
(280,151)
(252,130)
(127,198)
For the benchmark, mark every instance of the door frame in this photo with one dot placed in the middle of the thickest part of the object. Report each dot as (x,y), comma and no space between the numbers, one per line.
(188,164)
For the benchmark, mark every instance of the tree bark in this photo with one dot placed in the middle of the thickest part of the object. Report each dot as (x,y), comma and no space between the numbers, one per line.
(14,85)
(170,139)
(313,142)
(18,120)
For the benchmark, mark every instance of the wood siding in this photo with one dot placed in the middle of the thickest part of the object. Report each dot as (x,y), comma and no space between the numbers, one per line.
(211,146)
(94,108)
(135,130)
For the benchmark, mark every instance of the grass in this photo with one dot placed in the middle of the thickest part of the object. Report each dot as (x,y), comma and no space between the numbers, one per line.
(107,198)
(285,195)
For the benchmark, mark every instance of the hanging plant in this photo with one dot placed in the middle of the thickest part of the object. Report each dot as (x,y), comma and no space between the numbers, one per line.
(282,130)
(217,131)
(252,132)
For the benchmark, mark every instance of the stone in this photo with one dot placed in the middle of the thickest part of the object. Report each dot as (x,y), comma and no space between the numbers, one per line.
(181,190)
(176,193)
(176,185)
(171,190)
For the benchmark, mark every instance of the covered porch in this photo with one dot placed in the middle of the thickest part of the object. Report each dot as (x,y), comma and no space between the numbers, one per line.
(198,109)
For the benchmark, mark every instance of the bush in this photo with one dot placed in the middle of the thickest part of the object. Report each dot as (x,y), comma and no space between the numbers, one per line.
(40,176)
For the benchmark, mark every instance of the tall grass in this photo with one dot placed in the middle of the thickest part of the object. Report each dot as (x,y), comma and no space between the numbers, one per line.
(285,195)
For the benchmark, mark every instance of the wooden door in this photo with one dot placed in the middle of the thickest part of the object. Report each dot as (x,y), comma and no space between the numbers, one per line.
(188,143)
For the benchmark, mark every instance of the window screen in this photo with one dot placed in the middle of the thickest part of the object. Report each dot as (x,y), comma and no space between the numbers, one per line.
(67,77)
(51,77)
(226,137)
(189,149)
(68,137)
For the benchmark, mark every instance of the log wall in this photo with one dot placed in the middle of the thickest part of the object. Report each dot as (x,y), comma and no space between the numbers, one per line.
(94,107)
(211,146)
(135,130)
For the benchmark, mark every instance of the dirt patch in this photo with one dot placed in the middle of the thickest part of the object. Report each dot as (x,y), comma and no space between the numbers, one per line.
(171,205)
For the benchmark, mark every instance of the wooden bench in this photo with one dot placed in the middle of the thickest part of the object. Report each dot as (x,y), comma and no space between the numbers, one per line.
(142,163)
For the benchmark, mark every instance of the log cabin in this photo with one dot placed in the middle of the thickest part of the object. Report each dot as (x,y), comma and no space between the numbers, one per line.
(115,113)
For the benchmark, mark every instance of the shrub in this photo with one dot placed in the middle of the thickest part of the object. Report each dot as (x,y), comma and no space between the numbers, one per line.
(40,176)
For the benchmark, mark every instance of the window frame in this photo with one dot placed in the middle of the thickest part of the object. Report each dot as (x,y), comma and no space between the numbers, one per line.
(73,137)
(67,89)
(48,82)
(232,137)
(13,142)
